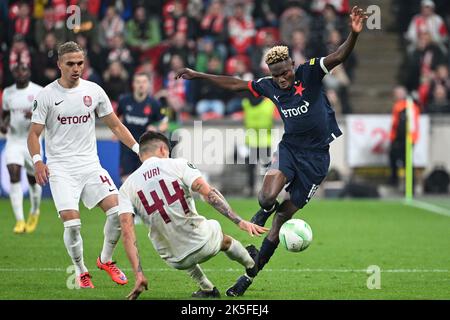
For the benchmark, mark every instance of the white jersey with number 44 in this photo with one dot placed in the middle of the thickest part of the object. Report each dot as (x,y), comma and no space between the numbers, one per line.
(69,119)
(159,192)
(19,102)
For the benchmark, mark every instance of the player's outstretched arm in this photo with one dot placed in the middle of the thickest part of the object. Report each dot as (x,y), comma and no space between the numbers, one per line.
(120,131)
(130,245)
(226,82)
(357,18)
(34,148)
(217,200)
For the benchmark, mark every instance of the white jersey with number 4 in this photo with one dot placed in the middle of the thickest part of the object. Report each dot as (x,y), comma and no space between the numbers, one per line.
(69,119)
(159,192)
(19,102)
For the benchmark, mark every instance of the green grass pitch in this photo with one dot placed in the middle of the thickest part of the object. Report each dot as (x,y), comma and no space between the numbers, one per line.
(410,245)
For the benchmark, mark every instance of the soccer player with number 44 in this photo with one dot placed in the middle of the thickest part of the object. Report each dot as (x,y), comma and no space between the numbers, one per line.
(66,108)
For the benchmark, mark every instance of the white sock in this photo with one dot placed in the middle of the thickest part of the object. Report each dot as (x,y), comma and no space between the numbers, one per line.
(74,244)
(237,252)
(16,197)
(112,234)
(198,276)
(35,197)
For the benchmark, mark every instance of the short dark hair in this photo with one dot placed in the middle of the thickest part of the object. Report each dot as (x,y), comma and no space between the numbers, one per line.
(147,139)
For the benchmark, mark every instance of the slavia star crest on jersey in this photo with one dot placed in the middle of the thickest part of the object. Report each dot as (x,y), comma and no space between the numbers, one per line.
(299,89)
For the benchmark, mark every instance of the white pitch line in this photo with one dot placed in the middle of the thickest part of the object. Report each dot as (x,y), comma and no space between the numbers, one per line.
(428,206)
(240,270)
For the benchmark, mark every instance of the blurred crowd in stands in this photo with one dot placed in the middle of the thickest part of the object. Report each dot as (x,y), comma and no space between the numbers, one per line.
(229,37)
(423,28)
(158,37)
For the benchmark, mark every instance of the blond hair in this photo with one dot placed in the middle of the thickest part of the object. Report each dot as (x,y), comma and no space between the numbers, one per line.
(69,47)
(276,54)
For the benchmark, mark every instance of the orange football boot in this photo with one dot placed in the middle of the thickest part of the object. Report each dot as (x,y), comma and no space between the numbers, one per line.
(114,272)
(84,280)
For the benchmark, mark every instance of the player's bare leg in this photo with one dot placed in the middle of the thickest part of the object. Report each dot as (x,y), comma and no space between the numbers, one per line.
(35,200)
(16,197)
(74,245)
(273,183)
(111,231)
(284,212)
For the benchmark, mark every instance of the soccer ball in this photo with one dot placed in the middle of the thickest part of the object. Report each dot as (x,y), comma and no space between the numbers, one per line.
(295,235)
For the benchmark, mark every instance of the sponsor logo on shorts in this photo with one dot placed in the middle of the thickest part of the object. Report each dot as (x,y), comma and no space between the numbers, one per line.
(74,119)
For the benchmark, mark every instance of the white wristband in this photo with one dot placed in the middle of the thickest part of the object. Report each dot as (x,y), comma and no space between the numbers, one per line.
(36,158)
(135,148)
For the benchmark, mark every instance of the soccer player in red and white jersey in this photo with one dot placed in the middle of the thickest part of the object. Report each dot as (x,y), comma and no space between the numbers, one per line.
(159,192)
(15,122)
(67,108)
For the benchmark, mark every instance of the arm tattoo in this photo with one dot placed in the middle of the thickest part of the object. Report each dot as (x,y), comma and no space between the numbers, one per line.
(139,268)
(216,199)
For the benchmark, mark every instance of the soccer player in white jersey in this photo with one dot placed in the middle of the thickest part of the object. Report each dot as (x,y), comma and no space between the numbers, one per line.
(160,193)
(15,122)
(67,108)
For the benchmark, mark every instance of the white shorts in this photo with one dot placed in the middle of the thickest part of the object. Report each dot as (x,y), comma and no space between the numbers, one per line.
(92,186)
(16,152)
(209,250)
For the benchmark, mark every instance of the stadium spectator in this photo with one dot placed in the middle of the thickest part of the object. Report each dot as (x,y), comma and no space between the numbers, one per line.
(428,21)
(45,68)
(241,30)
(23,24)
(110,26)
(341,6)
(298,48)
(210,98)
(265,40)
(214,22)
(206,50)
(115,80)
(439,100)
(177,20)
(238,69)
(19,52)
(322,25)
(266,12)
(426,88)
(142,32)
(179,47)
(338,81)
(421,62)
(49,24)
(293,18)
(92,6)
(88,23)
(123,7)
(119,52)
(398,131)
